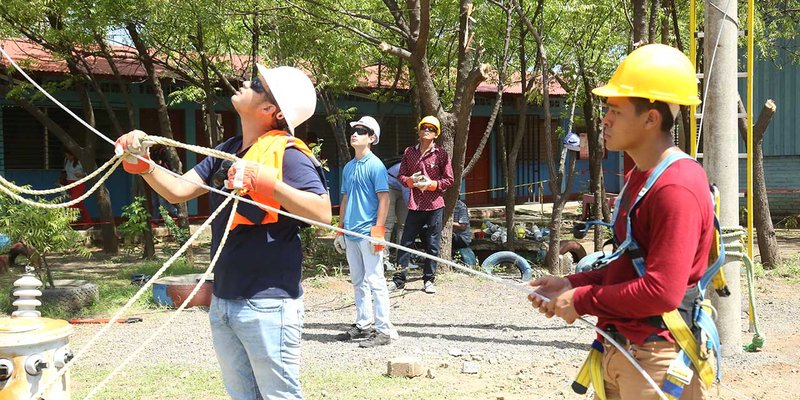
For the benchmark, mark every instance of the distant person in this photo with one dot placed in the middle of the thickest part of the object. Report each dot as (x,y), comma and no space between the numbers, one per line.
(365,203)
(462,236)
(427,171)
(398,201)
(73,171)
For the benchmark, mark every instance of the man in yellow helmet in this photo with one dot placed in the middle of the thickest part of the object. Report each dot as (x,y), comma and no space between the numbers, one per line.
(672,224)
(427,171)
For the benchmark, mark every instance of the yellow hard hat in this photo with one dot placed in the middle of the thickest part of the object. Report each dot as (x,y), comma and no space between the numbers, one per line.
(655,72)
(431,120)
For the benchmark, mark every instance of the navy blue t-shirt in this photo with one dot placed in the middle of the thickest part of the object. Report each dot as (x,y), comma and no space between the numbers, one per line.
(260,261)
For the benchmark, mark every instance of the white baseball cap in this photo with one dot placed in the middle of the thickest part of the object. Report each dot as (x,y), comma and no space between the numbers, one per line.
(572,142)
(370,123)
(293,91)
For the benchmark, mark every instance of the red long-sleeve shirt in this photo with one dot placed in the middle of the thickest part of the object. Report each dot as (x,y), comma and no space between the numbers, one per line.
(673,225)
(435,164)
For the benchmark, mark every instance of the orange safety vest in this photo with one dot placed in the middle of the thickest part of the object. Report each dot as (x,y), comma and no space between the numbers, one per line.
(268,150)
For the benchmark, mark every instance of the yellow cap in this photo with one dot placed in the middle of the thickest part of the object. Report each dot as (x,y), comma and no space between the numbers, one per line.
(655,72)
(431,120)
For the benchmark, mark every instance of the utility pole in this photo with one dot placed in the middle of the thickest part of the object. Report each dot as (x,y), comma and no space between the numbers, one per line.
(721,151)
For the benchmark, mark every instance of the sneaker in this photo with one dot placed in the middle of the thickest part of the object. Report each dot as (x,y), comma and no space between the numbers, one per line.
(393,286)
(355,333)
(429,287)
(377,339)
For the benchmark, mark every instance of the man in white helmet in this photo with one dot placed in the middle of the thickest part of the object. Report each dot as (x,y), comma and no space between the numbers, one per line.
(256,312)
(364,206)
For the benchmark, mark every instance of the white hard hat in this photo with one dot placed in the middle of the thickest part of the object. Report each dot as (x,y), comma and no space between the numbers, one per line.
(293,91)
(370,123)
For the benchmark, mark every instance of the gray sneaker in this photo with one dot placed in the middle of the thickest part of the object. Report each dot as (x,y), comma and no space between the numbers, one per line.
(429,287)
(377,339)
(355,333)
(393,286)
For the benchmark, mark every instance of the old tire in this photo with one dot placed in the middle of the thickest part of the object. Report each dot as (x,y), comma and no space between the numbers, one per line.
(508,257)
(71,294)
(575,249)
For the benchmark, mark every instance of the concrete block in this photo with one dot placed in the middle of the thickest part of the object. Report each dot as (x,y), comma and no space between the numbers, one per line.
(407,367)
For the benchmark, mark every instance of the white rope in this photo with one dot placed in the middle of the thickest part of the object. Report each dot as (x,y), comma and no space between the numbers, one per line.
(525,289)
(20,189)
(9,189)
(130,302)
(732,390)
(156,333)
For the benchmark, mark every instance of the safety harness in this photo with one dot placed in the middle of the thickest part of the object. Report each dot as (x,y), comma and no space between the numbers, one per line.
(690,324)
(268,150)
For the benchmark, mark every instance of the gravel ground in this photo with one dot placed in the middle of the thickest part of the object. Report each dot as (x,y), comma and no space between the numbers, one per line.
(518,350)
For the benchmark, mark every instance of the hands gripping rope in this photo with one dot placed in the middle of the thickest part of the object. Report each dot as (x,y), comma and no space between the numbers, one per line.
(133,157)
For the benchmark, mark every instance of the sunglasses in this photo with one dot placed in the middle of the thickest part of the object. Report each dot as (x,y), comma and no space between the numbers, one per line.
(256,85)
(360,131)
(428,128)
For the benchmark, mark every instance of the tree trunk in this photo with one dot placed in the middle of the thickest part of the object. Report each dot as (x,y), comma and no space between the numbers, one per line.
(163,119)
(762,218)
(596,153)
(639,22)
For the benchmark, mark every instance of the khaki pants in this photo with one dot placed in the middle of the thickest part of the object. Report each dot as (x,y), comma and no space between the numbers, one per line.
(623,381)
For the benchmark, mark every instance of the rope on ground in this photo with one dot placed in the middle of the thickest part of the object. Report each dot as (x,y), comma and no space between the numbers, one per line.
(34,192)
(739,395)
(738,232)
(157,332)
(130,302)
(555,392)
(526,289)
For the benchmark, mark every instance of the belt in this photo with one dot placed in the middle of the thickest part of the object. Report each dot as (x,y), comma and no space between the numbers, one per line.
(612,331)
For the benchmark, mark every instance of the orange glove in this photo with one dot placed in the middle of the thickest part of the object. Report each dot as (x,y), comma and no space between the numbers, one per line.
(133,144)
(377,232)
(252,176)
(407,181)
(432,186)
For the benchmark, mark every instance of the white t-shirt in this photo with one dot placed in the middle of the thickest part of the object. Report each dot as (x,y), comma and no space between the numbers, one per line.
(73,169)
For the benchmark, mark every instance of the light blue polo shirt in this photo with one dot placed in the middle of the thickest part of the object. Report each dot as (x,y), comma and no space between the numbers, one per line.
(362,180)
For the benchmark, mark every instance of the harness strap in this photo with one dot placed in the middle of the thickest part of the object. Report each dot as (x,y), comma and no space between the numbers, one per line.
(591,372)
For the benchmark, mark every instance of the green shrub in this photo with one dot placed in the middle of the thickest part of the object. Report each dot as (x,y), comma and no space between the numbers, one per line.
(45,230)
(137,220)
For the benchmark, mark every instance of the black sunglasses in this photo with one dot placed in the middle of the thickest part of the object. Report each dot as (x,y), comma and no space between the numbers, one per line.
(428,128)
(360,131)
(256,85)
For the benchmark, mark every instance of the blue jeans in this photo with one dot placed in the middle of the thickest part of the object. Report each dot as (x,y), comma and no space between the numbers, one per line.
(366,274)
(428,226)
(257,342)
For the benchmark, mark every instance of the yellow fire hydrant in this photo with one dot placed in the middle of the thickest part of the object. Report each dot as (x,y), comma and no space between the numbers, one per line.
(32,349)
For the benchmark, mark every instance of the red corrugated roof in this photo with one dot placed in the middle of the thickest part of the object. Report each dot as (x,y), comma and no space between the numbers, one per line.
(515,87)
(33,57)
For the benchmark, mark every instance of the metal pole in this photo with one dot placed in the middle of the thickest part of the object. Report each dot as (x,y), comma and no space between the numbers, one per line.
(693,58)
(721,150)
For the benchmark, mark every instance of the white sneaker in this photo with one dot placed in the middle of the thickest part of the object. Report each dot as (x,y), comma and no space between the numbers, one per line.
(429,287)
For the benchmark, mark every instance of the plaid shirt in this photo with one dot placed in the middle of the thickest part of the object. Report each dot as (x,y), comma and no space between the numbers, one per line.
(435,164)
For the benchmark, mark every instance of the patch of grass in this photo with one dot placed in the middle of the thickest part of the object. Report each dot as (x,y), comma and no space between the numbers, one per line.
(162,381)
(788,269)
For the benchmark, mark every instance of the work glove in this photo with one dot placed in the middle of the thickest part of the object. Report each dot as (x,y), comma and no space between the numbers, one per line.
(252,176)
(377,232)
(426,184)
(411,181)
(339,243)
(134,144)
